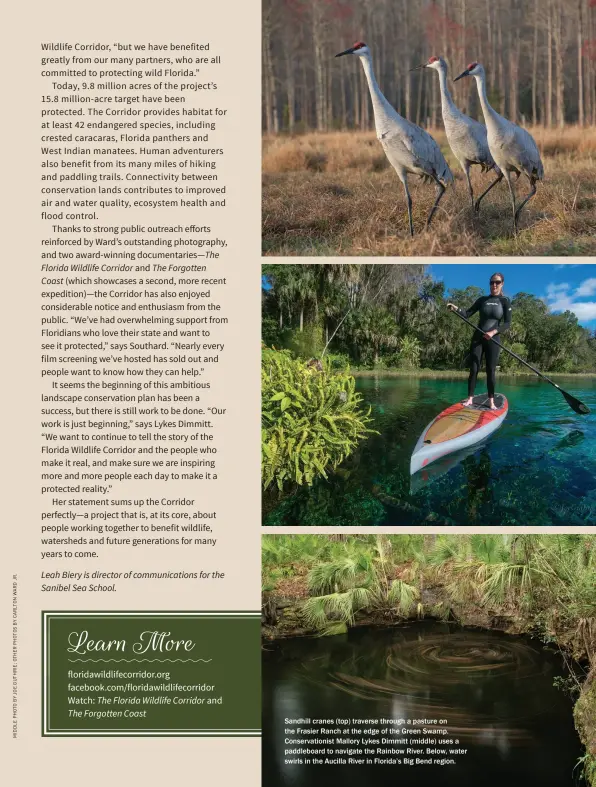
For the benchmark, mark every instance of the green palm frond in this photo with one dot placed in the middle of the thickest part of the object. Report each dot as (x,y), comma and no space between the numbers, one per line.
(404,596)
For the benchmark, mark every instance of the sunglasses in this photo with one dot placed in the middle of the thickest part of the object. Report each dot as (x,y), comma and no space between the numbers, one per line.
(496,281)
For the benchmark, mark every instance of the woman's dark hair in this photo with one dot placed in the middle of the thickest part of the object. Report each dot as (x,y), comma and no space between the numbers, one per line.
(500,275)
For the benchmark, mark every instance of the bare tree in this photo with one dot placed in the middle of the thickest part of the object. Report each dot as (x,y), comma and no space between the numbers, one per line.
(559,61)
(526,46)
(269,79)
(580,62)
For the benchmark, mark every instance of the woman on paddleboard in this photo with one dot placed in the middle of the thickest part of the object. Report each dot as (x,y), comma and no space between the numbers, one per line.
(494,319)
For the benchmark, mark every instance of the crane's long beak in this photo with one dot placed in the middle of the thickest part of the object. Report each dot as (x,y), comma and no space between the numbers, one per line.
(349,51)
(465,73)
(422,65)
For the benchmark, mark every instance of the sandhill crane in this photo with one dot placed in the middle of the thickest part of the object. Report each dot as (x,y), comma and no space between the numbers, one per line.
(466,136)
(511,146)
(409,148)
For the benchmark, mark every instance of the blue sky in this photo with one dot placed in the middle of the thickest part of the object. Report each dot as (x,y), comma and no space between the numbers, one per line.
(569,286)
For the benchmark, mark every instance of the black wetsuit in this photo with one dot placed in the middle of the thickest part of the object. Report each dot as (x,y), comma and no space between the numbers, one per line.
(495,314)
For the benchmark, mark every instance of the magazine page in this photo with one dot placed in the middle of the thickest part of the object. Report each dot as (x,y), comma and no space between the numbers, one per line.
(131,445)
(299,457)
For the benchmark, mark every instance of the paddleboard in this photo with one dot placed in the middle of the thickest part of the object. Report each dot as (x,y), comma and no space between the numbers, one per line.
(441,466)
(458,427)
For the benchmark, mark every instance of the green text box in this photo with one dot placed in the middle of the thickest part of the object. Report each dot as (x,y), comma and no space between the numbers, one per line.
(151,673)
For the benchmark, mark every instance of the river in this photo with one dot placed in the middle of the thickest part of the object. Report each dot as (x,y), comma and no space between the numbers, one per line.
(539,468)
(495,692)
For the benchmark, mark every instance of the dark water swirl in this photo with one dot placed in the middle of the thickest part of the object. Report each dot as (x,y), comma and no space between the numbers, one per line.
(495,692)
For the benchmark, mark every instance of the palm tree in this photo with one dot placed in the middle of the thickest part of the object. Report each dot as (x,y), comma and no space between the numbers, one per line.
(379,329)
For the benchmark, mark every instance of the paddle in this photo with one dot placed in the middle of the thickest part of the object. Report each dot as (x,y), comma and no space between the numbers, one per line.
(579,407)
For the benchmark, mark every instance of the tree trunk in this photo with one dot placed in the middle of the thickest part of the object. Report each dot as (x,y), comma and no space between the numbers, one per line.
(502,90)
(271,114)
(589,104)
(290,90)
(320,59)
(329,100)
(591,86)
(549,85)
(419,100)
(408,76)
(444,30)
(319,91)
(559,61)
(363,102)
(592,70)
(489,33)
(305,104)
(580,63)
(408,96)
(355,94)
(464,48)
(535,66)
(512,66)
(344,104)
(514,74)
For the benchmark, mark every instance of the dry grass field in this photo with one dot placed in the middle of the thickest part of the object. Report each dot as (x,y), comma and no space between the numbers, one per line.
(335,194)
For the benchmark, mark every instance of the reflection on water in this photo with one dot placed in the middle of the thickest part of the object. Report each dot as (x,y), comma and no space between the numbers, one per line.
(495,691)
(539,468)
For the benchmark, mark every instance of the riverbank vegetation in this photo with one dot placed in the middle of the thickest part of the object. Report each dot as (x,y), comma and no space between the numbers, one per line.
(394,317)
(543,585)
(311,419)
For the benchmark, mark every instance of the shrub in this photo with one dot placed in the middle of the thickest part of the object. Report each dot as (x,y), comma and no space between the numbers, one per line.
(306,343)
(354,581)
(312,419)
(339,361)
(409,353)
(271,333)
(509,364)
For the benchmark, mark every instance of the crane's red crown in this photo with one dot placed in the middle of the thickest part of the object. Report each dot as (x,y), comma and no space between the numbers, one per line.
(358,45)
(471,66)
(433,59)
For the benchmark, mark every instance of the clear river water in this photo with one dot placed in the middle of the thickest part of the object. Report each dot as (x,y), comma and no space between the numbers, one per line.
(538,468)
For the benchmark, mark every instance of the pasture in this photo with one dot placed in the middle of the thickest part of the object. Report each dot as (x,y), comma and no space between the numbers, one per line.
(335,194)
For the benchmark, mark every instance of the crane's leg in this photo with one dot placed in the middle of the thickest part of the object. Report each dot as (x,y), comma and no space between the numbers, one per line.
(512,195)
(440,192)
(484,193)
(466,168)
(530,195)
(409,203)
